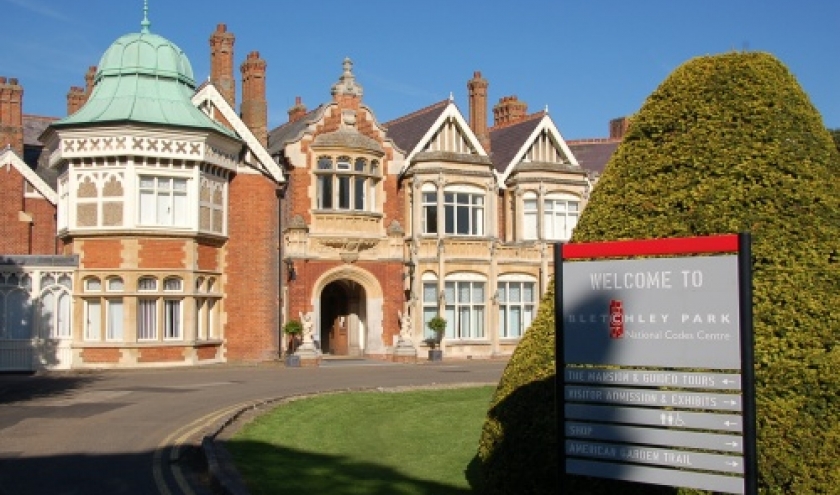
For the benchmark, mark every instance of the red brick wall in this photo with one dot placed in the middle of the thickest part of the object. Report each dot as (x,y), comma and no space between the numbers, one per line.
(162,253)
(101,355)
(207,352)
(101,253)
(252,267)
(14,234)
(208,258)
(160,354)
(43,230)
(387,273)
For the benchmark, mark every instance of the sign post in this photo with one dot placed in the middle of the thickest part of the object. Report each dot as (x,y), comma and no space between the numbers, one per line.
(654,360)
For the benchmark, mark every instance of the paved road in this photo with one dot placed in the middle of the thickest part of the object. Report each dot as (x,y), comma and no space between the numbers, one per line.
(118,432)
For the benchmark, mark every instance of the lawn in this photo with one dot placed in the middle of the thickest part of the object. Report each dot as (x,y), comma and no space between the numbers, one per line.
(418,442)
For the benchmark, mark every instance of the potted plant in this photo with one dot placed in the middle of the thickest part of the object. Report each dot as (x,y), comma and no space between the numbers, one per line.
(292,329)
(437,325)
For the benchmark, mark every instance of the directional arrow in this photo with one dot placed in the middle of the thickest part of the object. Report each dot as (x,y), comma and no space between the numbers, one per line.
(732,463)
(727,381)
(730,423)
(730,402)
(732,444)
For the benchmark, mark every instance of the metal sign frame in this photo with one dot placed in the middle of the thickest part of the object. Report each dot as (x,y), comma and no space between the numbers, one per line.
(675,248)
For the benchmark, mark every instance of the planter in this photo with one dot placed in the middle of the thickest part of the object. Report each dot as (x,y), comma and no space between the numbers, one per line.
(292,361)
(435,355)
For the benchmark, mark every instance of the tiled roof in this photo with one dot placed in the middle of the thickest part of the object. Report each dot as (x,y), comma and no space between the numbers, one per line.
(506,141)
(593,154)
(282,135)
(34,154)
(33,127)
(408,130)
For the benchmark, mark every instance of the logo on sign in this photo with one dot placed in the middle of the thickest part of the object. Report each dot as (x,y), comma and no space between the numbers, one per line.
(616,319)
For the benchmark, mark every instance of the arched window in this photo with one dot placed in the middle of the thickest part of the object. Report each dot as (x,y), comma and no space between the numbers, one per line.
(92,284)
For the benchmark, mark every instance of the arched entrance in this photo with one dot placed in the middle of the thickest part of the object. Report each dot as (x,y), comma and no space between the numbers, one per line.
(343,318)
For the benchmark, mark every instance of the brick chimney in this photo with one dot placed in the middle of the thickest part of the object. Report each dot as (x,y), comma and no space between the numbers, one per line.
(477,88)
(509,111)
(298,111)
(221,63)
(11,114)
(254,108)
(618,127)
(89,76)
(76,98)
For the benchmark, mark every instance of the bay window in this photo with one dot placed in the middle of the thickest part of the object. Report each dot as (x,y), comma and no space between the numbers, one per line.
(163,201)
(516,307)
(464,309)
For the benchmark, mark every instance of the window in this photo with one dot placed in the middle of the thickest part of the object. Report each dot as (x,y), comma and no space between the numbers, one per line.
(115,284)
(430,212)
(172,284)
(93,319)
(516,307)
(146,319)
(114,328)
(163,201)
(93,284)
(147,284)
(55,314)
(529,217)
(560,216)
(463,213)
(346,184)
(430,306)
(15,312)
(465,302)
(172,319)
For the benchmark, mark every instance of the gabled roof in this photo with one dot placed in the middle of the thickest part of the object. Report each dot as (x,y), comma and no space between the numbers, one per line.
(34,153)
(416,130)
(289,132)
(508,141)
(209,94)
(408,130)
(511,142)
(8,158)
(593,154)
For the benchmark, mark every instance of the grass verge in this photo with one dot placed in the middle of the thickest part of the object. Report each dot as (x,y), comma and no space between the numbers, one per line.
(419,442)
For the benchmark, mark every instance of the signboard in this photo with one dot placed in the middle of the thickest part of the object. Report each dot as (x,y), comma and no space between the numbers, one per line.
(656,356)
(672,312)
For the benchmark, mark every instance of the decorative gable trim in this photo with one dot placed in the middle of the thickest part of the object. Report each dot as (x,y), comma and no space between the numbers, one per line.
(209,94)
(450,112)
(546,124)
(9,159)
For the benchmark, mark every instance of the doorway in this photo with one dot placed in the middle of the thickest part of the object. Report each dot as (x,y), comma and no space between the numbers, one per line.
(342,319)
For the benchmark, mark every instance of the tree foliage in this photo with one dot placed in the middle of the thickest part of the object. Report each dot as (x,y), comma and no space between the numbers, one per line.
(728,143)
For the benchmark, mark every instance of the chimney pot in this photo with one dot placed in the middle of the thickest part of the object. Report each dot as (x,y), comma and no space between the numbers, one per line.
(2,80)
(221,28)
(13,81)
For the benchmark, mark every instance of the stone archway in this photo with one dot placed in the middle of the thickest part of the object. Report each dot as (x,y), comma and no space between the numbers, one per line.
(348,311)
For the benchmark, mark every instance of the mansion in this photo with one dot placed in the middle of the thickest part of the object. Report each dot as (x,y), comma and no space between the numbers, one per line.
(157,225)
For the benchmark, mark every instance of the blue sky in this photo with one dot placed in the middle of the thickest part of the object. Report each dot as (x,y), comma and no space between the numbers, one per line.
(587,60)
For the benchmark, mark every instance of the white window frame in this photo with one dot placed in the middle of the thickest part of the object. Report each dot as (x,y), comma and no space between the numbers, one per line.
(341,187)
(465,298)
(530,216)
(469,199)
(167,205)
(561,212)
(509,308)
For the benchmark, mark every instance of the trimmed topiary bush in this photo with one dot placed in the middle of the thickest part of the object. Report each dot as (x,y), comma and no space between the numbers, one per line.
(726,144)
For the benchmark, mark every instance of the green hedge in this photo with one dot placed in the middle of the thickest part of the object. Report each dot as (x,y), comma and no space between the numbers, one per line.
(726,144)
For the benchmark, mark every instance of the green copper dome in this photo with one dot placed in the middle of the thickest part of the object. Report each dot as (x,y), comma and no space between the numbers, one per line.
(143,78)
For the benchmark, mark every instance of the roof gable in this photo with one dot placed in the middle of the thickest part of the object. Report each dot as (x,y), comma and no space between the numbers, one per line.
(10,159)
(534,139)
(439,127)
(210,95)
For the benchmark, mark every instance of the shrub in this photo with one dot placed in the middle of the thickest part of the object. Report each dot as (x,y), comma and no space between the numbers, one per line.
(727,143)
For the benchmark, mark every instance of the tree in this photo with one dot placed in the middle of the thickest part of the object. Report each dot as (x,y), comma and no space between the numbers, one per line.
(726,144)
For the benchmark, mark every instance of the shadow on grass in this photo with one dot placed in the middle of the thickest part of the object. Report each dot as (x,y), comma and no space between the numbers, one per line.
(280,470)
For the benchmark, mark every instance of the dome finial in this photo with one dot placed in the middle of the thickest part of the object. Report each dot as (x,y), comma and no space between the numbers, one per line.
(144,25)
